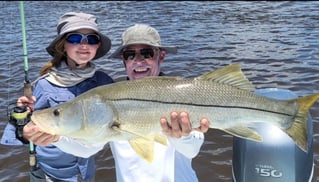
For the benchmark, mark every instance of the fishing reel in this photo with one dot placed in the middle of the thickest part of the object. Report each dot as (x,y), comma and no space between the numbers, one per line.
(19,117)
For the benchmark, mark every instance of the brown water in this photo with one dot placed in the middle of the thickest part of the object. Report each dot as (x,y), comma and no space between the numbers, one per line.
(275,42)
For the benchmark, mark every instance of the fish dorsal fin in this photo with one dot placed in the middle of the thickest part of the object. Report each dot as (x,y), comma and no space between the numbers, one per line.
(230,75)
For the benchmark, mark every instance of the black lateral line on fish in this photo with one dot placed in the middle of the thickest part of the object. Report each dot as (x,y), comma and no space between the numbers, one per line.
(202,105)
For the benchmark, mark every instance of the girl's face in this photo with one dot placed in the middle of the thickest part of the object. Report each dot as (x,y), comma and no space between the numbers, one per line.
(81,49)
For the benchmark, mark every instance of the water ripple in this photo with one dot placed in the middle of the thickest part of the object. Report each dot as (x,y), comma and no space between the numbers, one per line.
(276,44)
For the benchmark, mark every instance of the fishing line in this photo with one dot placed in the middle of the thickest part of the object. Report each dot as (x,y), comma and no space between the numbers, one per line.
(10,57)
(27,84)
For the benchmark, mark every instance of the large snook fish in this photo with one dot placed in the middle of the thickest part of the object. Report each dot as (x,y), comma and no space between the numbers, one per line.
(131,110)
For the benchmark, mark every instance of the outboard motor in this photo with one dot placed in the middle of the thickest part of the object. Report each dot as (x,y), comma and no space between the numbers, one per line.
(277,158)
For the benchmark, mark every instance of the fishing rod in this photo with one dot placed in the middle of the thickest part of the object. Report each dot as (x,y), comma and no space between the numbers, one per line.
(27,83)
(20,116)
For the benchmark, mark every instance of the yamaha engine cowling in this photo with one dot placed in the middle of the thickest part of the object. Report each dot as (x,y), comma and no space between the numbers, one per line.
(277,158)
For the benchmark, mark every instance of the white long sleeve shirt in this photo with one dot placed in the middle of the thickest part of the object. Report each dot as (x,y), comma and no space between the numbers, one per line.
(172,163)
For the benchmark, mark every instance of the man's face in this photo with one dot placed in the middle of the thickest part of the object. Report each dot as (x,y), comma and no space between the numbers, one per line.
(142,60)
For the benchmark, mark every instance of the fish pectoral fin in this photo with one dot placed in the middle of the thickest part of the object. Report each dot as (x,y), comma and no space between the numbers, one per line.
(244,132)
(81,141)
(143,147)
(160,139)
(135,134)
(152,137)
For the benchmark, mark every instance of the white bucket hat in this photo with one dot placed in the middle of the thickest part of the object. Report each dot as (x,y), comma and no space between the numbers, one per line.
(73,21)
(141,34)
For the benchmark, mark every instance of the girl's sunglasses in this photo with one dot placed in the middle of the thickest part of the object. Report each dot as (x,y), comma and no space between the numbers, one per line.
(146,53)
(77,38)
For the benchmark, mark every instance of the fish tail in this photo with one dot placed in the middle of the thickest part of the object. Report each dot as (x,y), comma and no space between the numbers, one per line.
(298,130)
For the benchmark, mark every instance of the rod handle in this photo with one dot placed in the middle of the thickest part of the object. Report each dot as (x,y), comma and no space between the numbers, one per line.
(27,89)
(32,160)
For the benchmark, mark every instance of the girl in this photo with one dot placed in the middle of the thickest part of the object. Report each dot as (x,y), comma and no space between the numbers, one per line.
(70,73)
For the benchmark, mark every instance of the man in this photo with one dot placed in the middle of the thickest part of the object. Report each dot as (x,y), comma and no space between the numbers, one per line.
(142,53)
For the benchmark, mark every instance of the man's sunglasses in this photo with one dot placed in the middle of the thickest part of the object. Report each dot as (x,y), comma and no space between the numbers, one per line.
(77,38)
(146,53)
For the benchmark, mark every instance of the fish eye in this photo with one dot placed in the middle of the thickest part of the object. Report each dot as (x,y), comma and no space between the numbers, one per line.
(115,125)
(56,112)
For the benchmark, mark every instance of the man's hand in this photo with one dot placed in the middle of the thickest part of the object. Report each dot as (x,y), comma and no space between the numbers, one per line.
(181,126)
(33,133)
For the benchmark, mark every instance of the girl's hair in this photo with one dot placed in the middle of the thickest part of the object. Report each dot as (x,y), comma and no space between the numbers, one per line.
(59,56)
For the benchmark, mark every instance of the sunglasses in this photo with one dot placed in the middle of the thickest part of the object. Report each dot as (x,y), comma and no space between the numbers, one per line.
(146,53)
(77,38)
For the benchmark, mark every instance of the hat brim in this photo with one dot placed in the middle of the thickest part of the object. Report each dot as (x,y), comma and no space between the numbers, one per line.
(103,49)
(117,53)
